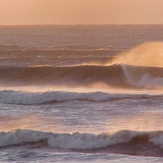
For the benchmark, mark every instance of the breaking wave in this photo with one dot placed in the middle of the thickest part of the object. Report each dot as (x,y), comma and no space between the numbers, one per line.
(124,142)
(149,54)
(116,76)
(139,68)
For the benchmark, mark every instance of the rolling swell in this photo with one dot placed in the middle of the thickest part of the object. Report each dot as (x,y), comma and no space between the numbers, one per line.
(123,142)
(26,98)
(124,76)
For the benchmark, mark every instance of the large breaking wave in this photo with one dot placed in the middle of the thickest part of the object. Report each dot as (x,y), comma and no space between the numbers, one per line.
(117,76)
(139,68)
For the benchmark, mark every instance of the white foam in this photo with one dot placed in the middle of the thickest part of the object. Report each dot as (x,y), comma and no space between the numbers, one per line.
(63,141)
(73,141)
(158,140)
(141,79)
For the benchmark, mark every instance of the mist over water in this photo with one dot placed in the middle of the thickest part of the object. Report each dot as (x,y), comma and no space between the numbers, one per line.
(148,54)
(138,68)
(142,65)
(81,93)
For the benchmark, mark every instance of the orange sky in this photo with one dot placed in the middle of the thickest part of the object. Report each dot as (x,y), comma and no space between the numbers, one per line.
(81,11)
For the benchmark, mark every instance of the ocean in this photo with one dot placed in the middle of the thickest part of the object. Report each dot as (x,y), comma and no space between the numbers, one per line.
(81,93)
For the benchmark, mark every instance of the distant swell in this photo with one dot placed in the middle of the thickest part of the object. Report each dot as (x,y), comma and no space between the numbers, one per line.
(115,75)
(124,142)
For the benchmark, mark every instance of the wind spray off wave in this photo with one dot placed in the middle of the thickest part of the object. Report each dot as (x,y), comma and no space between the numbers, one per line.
(146,55)
(137,61)
(139,68)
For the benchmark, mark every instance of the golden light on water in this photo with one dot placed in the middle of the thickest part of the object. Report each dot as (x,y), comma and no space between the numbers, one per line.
(32,121)
(148,54)
(147,121)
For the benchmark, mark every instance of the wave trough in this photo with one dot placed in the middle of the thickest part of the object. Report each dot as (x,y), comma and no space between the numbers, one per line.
(25,98)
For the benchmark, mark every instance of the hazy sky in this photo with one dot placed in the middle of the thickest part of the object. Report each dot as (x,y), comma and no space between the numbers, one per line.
(81,11)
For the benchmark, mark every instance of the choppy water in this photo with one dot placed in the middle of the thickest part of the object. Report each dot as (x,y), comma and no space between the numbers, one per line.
(81,94)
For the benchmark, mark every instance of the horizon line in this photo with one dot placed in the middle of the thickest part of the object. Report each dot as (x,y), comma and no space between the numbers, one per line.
(120,24)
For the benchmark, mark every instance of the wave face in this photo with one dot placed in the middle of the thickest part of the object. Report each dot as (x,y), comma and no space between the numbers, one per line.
(139,68)
(120,76)
(70,76)
(124,142)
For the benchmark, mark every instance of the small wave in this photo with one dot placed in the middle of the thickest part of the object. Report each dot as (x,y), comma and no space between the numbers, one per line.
(25,98)
(115,143)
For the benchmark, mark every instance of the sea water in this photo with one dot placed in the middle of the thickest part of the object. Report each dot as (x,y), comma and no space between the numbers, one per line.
(81,94)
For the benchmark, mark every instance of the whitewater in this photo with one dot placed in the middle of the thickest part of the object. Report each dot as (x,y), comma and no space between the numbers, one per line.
(81,94)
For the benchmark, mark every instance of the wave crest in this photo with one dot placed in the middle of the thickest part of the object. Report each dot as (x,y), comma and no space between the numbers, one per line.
(115,76)
(136,142)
